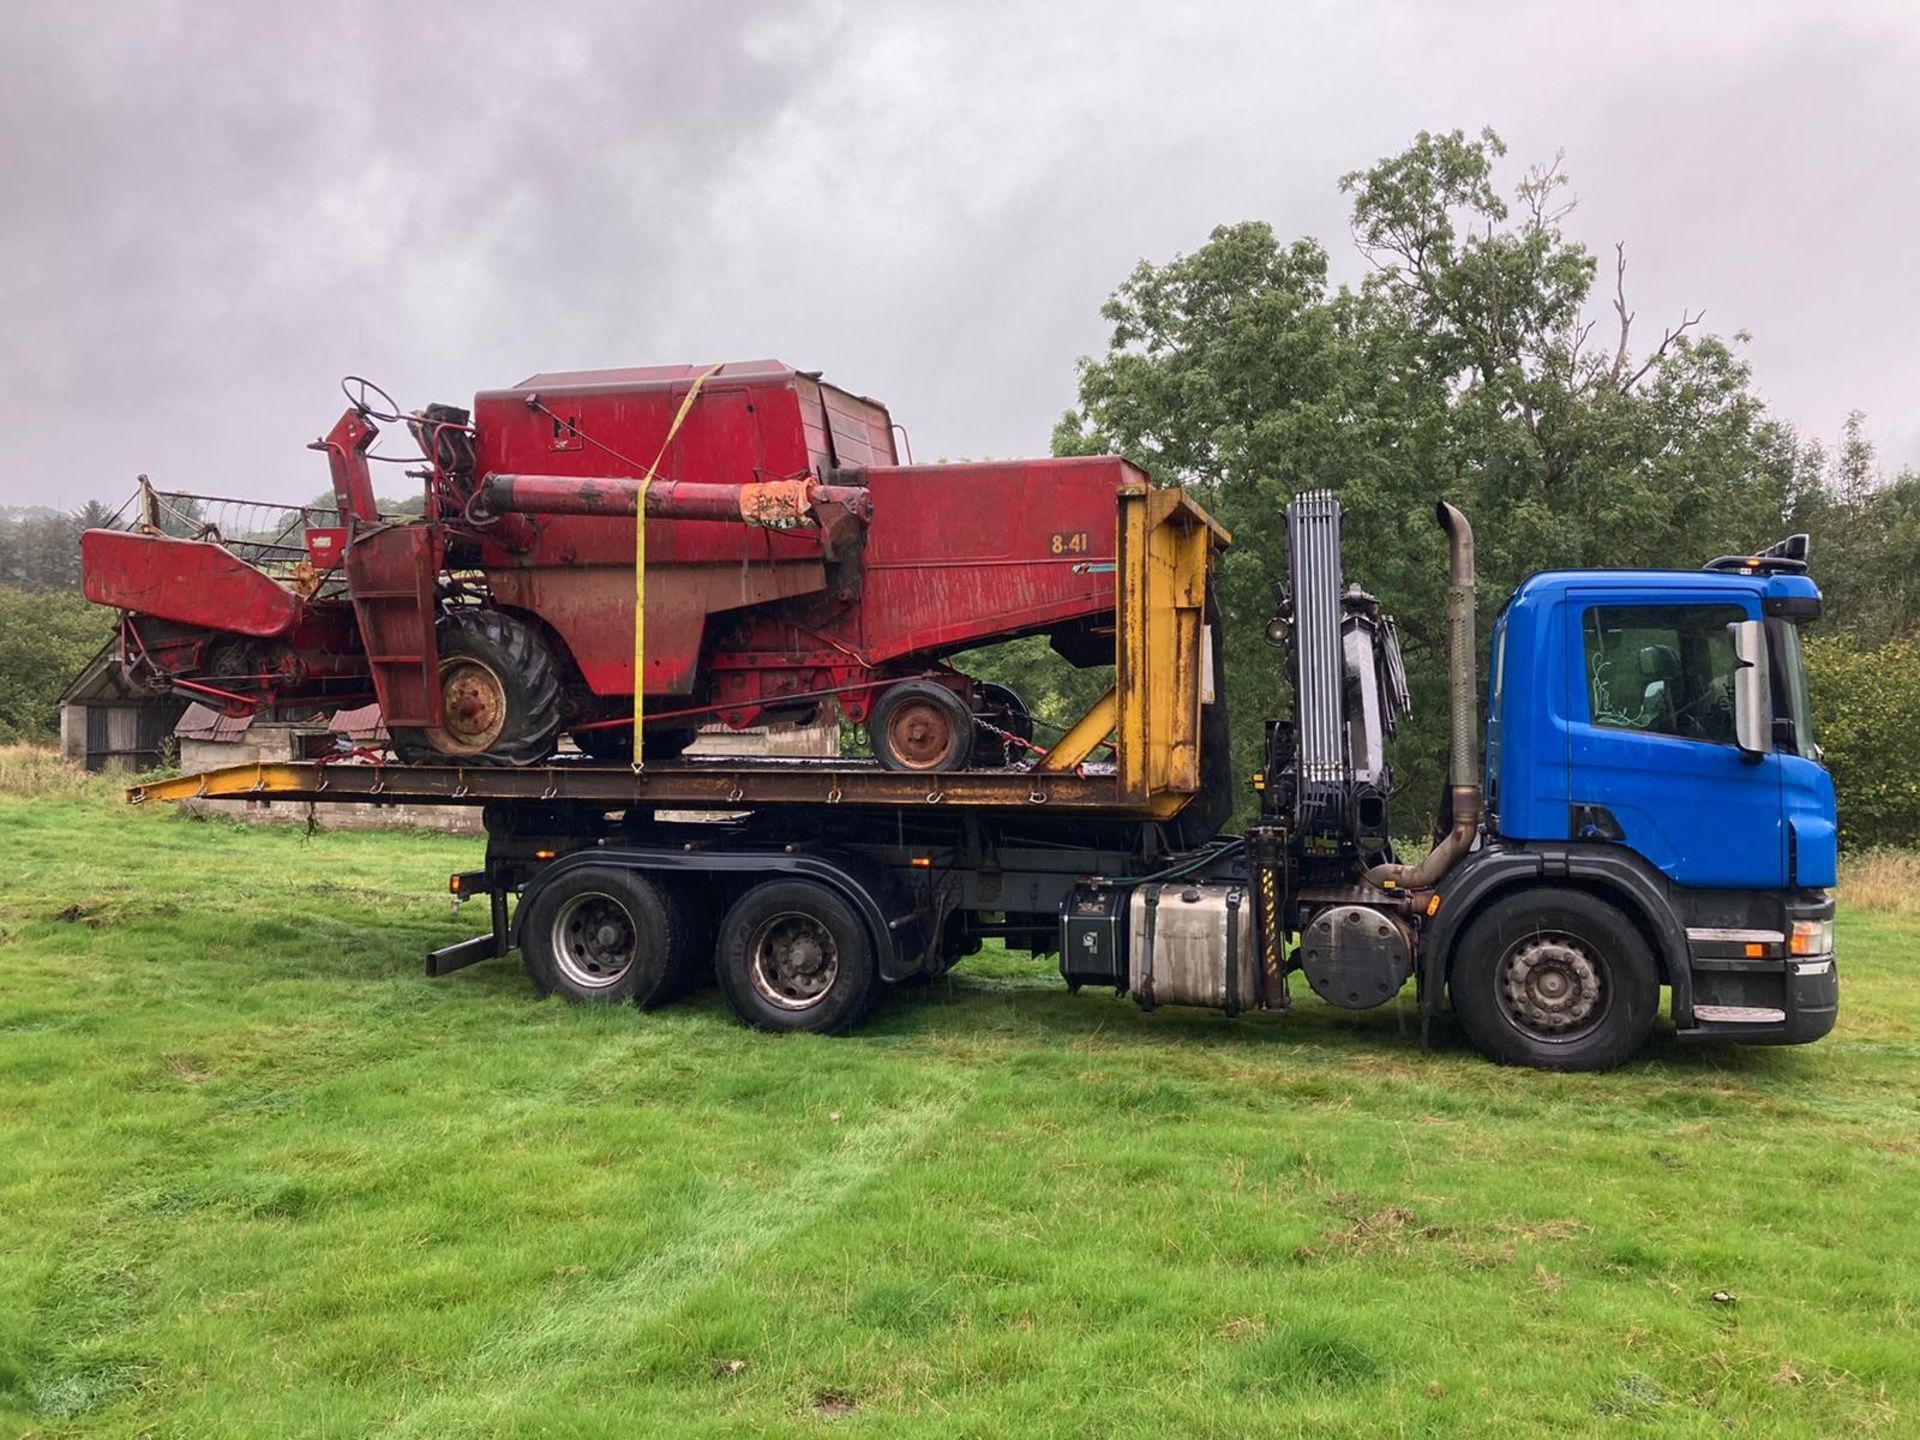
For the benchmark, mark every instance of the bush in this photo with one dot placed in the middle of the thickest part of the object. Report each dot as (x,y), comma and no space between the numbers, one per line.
(36,772)
(45,639)
(1866,713)
(1884,881)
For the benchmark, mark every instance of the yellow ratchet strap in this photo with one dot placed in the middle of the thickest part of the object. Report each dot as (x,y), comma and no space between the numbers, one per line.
(640,564)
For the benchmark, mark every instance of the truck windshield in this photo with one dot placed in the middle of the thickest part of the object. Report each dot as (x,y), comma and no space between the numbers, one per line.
(1790,686)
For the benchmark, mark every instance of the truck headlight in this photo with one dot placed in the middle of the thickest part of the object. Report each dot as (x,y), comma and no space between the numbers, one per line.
(1811,937)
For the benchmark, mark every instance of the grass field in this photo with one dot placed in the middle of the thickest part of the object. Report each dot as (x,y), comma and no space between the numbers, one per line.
(259,1177)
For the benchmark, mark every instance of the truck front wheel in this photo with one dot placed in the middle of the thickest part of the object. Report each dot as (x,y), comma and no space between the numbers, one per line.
(1555,979)
(794,955)
(601,935)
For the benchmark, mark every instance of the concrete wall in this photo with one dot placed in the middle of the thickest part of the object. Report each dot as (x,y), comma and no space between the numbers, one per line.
(345,815)
(817,740)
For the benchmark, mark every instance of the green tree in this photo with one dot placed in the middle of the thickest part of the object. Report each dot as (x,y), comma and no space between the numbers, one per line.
(95,516)
(45,640)
(1866,712)
(1865,536)
(1464,365)
(39,550)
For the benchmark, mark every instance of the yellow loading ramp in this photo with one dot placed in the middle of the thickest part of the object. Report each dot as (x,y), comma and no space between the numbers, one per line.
(1164,552)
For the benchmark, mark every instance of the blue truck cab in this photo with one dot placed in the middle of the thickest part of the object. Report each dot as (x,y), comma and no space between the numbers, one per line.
(1649,744)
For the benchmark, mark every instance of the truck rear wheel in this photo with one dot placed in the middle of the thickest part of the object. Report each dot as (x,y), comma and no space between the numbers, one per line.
(1555,979)
(921,725)
(793,955)
(599,935)
(499,694)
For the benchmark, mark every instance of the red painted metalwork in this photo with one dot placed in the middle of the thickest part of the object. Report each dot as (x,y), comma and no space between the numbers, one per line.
(773,504)
(791,561)
(193,582)
(392,575)
(346,449)
(325,545)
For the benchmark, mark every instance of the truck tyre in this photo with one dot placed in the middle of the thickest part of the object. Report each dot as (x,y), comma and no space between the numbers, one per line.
(921,725)
(793,955)
(1555,979)
(599,935)
(499,694)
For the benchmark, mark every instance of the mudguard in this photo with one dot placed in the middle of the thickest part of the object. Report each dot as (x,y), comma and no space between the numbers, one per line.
(1616,875)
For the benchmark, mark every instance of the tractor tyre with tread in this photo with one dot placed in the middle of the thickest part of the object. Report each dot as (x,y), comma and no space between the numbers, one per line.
(500,694)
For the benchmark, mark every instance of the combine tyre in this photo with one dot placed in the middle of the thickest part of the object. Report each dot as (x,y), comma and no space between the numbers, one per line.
(499,694)
(921,725)
(1005,730)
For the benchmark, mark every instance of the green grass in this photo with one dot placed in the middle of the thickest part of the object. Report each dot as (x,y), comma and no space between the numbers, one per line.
(258,1176)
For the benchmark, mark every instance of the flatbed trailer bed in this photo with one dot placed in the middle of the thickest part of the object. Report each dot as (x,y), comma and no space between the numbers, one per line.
(742,784)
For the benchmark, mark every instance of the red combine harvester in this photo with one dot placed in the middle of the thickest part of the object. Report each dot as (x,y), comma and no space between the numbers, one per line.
(786,562)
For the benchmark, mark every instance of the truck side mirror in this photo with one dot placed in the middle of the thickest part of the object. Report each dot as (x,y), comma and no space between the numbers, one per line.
(1752,690)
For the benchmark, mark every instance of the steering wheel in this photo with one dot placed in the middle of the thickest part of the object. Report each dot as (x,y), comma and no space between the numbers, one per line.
(357,389)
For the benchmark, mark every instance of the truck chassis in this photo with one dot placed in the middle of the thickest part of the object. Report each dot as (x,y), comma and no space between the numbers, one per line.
(798,881)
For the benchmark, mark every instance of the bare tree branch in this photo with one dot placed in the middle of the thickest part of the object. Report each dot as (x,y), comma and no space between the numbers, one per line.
(1687,322)
(1579,338)
(1620,309)
(1536,191)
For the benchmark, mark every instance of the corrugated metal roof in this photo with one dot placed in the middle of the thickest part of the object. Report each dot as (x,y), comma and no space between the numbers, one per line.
(362,724)
(203,722)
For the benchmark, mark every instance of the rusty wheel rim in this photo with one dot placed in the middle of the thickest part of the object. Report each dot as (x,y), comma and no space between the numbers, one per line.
(473,707)
(920,734)
(1551,986)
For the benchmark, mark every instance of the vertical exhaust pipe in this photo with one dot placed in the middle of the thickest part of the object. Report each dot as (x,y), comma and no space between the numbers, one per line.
(1463,751)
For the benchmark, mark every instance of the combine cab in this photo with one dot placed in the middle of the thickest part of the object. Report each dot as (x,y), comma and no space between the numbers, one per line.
(786,562)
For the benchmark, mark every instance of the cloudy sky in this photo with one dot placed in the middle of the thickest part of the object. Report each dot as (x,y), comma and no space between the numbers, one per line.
(209,212)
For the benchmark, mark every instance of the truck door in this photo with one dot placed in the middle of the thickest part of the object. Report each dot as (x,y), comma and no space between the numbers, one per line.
(1652,758)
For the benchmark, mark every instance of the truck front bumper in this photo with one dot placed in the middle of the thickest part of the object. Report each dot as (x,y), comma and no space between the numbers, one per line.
(1788,1000)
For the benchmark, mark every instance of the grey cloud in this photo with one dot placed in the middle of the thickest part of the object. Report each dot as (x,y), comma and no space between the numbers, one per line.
(212,211)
